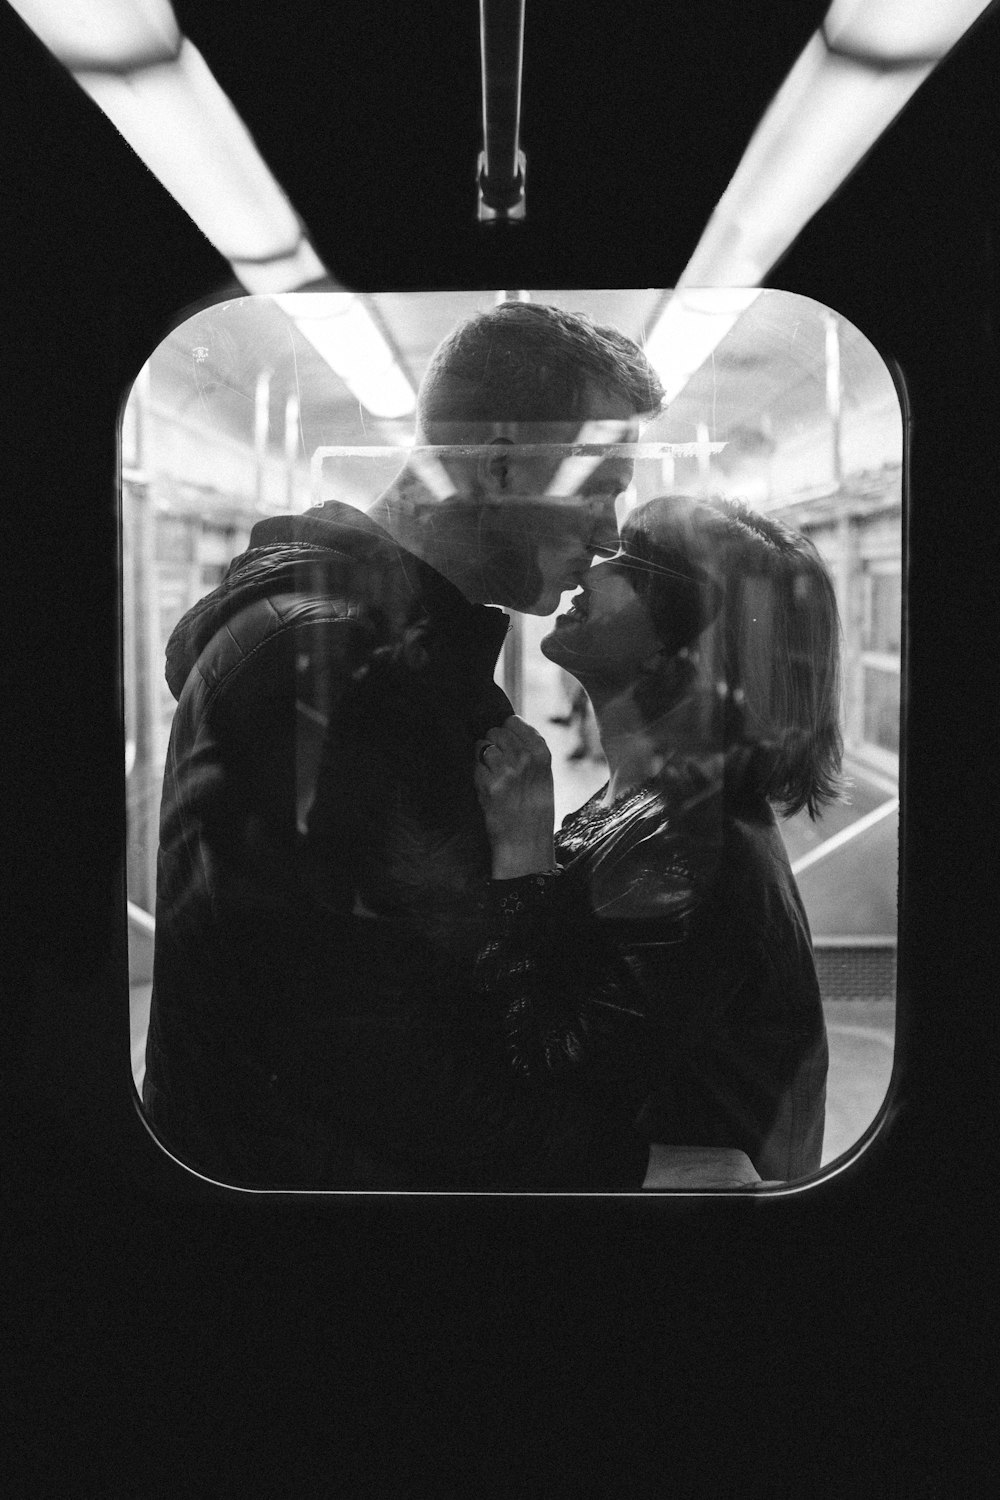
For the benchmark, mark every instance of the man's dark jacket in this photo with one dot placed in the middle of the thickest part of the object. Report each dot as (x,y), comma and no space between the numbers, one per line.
(321,881)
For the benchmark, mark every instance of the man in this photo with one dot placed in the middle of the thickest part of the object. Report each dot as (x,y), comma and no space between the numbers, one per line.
(322,854)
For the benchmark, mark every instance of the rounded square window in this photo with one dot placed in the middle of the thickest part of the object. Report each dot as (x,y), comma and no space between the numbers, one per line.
(514,690)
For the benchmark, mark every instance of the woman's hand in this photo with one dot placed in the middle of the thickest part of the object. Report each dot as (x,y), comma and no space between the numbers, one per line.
(513,778)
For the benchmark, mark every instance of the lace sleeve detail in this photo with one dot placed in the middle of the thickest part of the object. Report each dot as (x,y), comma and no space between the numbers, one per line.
(552,990)
(515,901)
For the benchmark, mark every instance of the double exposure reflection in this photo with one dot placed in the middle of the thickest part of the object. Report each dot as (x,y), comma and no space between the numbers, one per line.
(372,961)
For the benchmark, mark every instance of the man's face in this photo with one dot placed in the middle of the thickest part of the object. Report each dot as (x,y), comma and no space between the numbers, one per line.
(566,507)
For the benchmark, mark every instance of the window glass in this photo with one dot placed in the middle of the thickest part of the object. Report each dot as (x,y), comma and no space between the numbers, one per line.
(342,977)
(882,708)
(884,618)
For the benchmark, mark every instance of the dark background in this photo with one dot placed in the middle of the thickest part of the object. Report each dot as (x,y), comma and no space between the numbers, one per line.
(837,1341)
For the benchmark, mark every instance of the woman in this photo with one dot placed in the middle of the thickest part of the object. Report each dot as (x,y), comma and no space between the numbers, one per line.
(659,944)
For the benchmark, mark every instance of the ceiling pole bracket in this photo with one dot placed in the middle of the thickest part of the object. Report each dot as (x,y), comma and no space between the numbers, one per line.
(501,166)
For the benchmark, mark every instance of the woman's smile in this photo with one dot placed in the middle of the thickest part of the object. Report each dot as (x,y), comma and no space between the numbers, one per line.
(577,611)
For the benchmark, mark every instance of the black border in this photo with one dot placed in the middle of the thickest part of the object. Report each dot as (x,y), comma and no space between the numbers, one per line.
(835,1341)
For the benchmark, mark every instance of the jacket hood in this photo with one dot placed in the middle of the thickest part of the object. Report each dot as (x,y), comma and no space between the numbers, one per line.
(311,551)
(332,549)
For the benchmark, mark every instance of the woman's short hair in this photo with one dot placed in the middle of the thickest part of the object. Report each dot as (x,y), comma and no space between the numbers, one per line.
(531,362)
(757,598)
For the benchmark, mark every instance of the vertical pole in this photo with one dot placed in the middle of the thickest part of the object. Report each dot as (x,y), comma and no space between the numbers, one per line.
(833,403)
(767,428)
(133,435)
(141,662)
(291,448)
(261,423)
(847,580)
(144,832)
(704,459)
(668,469)
(833,394)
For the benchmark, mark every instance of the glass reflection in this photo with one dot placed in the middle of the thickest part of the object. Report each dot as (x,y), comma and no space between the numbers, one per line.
(372,964)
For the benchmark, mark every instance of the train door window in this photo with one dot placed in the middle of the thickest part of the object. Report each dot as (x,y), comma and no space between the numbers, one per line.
(773,417)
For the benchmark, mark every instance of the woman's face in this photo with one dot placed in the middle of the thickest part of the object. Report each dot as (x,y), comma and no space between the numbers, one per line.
(607,633)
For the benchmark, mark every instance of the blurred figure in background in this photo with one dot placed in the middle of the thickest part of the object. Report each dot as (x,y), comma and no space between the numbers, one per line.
(578,717)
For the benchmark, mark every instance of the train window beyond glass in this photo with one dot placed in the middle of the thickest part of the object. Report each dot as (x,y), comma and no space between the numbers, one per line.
(513,697)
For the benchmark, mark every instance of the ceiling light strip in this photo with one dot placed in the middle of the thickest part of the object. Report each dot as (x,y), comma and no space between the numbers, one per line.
(849,84)
(155,87)
(852,80)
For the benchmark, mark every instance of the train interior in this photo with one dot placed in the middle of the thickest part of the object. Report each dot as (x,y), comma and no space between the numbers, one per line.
(259,406)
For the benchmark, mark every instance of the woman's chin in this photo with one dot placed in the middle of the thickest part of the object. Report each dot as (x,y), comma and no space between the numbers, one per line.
(550,646)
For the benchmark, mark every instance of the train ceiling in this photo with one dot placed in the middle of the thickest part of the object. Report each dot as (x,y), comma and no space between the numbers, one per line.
(768,372)
(312,141)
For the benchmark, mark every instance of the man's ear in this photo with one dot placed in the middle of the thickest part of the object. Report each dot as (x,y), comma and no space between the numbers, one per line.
(493,466)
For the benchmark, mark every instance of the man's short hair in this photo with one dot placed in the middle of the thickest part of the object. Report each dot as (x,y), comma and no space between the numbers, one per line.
(530,362)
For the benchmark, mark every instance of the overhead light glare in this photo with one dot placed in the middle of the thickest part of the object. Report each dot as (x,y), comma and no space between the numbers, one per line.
(691,326)
(824,118)
(848,85)
(343,331)
(177,119)
(896,30)
(279,273)
(159,93)
(119,34)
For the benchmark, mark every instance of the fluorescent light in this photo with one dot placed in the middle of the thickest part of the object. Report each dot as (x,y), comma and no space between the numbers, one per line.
(177,119)
(826,115)
(279,273)
(899,29)
(157,90)
(829,112)
(342,330)
(832,362)
(120,34)
(693,323)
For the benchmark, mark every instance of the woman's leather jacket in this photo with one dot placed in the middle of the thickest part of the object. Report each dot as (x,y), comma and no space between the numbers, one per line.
(671,957)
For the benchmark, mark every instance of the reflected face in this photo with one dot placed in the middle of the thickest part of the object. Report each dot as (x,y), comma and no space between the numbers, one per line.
(607,633)
(567,508)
